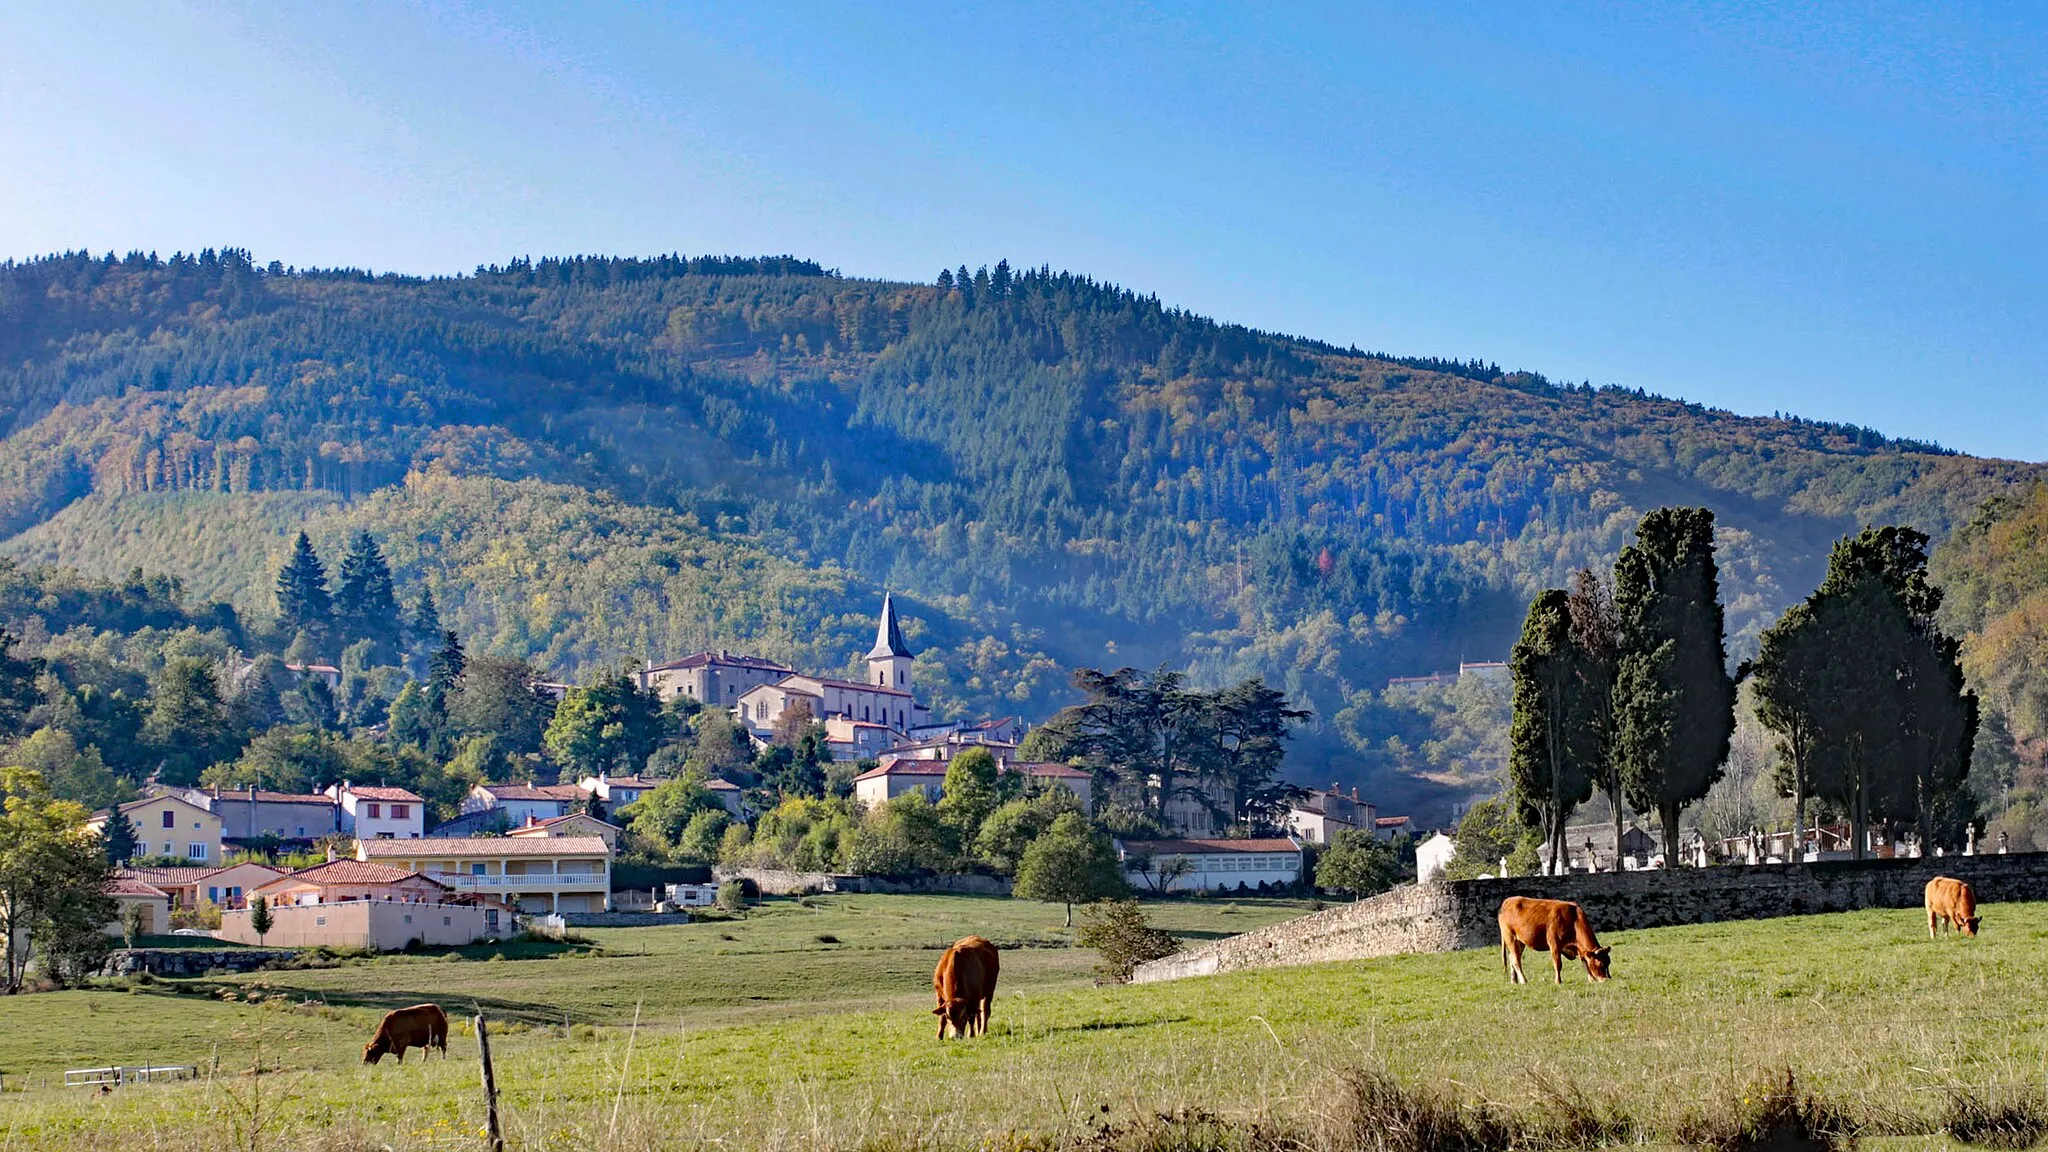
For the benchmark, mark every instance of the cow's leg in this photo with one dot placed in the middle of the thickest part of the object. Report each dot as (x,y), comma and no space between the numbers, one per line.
(1931,918)
(1557,963)
(1514,958)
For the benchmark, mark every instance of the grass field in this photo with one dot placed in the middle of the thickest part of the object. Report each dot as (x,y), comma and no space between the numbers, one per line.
(775,1039)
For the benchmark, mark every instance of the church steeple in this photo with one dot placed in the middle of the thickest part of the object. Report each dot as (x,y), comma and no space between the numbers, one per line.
(889,660)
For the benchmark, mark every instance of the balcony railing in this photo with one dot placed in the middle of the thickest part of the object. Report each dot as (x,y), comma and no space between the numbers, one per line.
(529,882)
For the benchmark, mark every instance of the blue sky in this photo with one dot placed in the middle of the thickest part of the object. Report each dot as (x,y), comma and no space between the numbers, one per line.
(1835,211)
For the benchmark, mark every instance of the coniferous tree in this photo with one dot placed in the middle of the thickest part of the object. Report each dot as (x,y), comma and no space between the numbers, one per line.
(119,838)
(1674,702)
(1596,633)
(303,603)
(365,600)
(1553,743)
(423,631)
(1795,684)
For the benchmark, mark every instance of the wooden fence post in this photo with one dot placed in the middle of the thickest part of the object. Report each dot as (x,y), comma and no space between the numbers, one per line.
(492,1132)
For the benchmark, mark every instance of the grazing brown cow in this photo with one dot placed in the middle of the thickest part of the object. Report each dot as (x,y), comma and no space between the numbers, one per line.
(1558,927)
(422,1026)
(965,981)
(1953,903)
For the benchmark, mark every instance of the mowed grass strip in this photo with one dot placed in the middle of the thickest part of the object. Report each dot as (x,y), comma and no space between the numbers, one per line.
(1861,1004)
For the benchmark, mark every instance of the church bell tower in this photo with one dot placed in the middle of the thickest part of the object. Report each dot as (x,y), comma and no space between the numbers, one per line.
(889,660)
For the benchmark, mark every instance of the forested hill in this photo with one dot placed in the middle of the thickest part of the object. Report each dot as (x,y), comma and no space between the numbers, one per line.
(597,460)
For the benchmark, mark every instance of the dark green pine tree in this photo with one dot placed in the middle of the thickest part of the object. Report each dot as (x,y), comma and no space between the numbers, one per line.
(119,839)
(303,604)
(1674,702)
(366,602)
(18,692)
(423,632)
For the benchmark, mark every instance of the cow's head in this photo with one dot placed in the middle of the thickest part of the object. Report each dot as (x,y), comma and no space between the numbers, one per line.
(1596,963)
(375,1050)
(958,1013)
(1970,925)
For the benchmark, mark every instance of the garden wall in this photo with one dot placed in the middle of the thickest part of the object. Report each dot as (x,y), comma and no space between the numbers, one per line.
(1439,917)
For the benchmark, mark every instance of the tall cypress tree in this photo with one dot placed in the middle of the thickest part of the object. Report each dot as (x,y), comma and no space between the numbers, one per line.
(1674,702)
(303,604)
(1553,742)
(365,601)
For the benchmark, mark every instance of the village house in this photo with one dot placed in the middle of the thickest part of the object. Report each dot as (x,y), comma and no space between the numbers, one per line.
(168,825)
(1319,816)
(883,784)
(857,739)
(338,881)
(945,747)
(518,802)
(377,812)
(731,795)
(1207,865)
(713,679)
(327,674)
(1388,827)
(530,873)
(253,816)
(574,824)
(153,905)
(618,791)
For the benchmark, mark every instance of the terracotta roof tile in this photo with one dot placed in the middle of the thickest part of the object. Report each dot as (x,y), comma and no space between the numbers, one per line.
(381,793)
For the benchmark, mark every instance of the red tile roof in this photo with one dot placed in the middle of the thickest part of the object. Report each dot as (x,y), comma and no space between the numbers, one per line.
(336,872)
(729,660)
(130,886)
(169,877)
(559,792)
(905,768)
(262,797)
(1207,847)
(563,819)
(365,792)
(716,784)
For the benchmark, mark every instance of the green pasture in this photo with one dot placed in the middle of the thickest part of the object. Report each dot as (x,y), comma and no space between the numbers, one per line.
(774,1039)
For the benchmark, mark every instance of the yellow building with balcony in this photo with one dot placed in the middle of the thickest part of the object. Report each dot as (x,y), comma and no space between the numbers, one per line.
(537,874)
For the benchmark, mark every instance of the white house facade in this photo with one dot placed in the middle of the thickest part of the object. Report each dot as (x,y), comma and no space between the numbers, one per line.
(374,812)
(1209,865)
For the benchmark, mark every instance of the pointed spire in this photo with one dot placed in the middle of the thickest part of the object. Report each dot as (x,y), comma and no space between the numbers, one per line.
(888,632)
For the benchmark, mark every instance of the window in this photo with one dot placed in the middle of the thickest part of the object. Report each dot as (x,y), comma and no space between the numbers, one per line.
(401,811)
(195,851)
(386,836)
(234,893)
(476,869)
(374,810)
(213,895)
(317,920)
(302,831)
(170,849)
(170,818)
(447,921)
(408,916)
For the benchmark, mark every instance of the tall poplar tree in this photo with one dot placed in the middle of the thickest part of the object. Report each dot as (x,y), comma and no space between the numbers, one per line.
(303,603)
(1674,702)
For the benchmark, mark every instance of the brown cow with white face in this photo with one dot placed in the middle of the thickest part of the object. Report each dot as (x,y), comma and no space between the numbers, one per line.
(965,982)
(1558,927)
(1952,903)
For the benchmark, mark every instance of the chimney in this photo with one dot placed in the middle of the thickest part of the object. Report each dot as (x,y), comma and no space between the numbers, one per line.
(330,852)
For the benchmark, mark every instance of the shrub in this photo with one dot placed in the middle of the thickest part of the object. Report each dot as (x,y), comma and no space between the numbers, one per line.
(1773,1115)
(732,896)
(2012,1119)
(1118,930)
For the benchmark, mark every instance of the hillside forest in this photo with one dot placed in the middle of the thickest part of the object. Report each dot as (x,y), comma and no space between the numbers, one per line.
(590,462)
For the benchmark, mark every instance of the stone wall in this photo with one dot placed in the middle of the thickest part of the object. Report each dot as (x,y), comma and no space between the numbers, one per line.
(623,919)
(181,962)
(1439,917)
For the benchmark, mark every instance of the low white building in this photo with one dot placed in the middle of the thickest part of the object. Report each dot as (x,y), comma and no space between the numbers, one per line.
(1432,856)
(379,813)
(1209,865)
(618,791)
(530,873)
